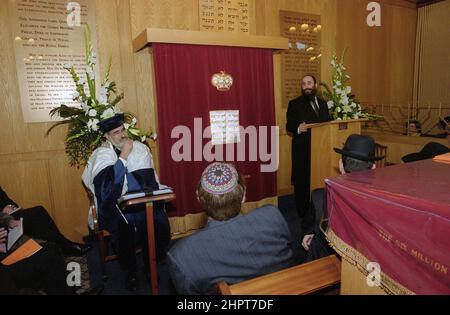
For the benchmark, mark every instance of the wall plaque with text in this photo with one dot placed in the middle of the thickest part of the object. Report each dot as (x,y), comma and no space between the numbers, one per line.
(305,51)
(224,16)
(47,36)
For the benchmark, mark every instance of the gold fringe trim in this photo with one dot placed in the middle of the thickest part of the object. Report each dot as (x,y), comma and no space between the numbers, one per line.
(184,226)
(355,258)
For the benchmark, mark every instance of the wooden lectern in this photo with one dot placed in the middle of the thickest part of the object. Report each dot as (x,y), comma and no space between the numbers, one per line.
(151,233)
(324,138)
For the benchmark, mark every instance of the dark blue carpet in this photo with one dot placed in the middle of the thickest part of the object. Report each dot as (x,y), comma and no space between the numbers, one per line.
(115,284)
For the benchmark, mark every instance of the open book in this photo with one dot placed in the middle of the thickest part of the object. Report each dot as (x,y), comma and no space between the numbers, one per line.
(140,194)
(14,234)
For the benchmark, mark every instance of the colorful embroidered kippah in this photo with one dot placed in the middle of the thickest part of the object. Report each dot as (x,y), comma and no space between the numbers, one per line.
(219,178)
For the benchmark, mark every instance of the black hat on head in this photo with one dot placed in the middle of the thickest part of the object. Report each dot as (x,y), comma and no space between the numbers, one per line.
(359,147)
(111,123)
(429,151)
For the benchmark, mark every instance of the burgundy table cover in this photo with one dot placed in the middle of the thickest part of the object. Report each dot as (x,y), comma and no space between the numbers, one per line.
(398,217)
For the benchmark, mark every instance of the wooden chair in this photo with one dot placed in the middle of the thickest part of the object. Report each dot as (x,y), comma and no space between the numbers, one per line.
(298,280)
(102,234)
(381,150)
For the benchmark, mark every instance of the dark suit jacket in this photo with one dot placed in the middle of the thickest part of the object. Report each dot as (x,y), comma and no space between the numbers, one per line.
(319,247)
(235,250)
(300,110)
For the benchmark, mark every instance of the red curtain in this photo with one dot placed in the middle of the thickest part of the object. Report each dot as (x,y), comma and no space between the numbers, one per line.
(184,92)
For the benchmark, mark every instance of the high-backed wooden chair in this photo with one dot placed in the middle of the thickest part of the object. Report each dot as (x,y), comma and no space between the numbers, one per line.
(298,280)
(102,234)
(381,150)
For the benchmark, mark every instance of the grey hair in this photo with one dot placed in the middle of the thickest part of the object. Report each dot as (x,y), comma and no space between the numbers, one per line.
(353,165)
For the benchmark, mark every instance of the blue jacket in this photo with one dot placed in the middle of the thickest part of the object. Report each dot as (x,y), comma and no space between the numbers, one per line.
(235,250)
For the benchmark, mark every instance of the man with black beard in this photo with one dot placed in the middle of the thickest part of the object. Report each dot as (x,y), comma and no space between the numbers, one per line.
(305,109)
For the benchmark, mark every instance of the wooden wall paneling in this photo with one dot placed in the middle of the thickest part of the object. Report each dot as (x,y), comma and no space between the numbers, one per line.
(402,54)
(108,41)
(70,202)
(126,56)
(187,37)
(433,63)
(379,60)
(27,183)
(173,14)
(284,186)
(146,90)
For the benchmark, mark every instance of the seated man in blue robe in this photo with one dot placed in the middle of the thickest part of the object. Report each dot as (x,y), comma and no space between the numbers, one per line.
(118,166)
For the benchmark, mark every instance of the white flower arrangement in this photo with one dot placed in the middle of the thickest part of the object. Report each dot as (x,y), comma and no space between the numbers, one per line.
(84,135)
(341,102)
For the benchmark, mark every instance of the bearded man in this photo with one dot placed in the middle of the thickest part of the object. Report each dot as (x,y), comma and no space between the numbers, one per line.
(305,109)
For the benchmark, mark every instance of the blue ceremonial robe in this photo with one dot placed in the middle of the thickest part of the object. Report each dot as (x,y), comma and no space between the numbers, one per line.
(127,228)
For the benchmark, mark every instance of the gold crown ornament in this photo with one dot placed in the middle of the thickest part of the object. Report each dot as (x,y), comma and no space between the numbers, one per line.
(222,81)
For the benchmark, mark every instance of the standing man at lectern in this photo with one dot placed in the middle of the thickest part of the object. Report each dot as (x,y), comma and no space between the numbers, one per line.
(305,109)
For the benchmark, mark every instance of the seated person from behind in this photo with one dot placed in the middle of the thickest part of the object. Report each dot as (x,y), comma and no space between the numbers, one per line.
(358,154)
(432,149)
(118,166)
(429,151)
(232,247)
(37,223)
(414,128)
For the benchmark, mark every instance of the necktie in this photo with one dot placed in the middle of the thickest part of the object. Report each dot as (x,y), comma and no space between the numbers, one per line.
(117,151)
(315,107)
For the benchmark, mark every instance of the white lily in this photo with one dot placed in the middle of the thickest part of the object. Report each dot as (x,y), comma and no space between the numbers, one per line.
(90,72)
(92,113)
(108,113)
(330,104)
(84,107)
(92,124)
(345,100)
(126,126)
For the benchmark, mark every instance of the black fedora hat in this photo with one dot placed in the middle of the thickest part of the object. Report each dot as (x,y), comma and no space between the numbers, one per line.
(429,151)
(359,147)
(111,123)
